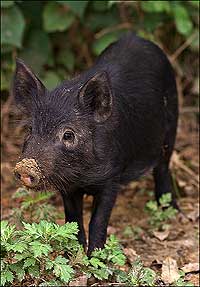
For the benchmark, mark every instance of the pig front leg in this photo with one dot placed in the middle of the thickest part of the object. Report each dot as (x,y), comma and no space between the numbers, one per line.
(73,205)
(103,203)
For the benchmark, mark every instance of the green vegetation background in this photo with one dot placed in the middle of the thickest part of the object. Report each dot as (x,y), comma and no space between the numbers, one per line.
(59,38)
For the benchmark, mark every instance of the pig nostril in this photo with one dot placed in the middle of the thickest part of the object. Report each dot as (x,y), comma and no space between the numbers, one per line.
(17,175)
(32,178)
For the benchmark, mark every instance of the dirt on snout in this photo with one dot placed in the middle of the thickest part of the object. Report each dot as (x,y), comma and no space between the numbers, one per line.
(26,169)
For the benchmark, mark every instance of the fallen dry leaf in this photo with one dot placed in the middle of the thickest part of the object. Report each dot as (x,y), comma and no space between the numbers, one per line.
(130,254)
(181,183)
(193,215)
(191,267)
(170,272)
(161,235)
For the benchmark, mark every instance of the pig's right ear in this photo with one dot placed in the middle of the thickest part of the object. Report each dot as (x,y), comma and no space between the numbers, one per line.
(96,96)
(26,87)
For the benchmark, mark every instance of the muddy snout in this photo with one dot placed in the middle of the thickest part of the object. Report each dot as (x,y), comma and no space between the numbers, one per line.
(28,172)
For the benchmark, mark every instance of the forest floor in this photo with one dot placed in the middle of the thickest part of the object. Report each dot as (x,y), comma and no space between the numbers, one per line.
(129,221)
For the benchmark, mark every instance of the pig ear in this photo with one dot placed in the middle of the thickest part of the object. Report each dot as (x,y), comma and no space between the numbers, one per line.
(96,95)
(26,86)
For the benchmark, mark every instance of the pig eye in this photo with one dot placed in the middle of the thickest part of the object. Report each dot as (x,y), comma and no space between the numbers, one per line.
(69,136)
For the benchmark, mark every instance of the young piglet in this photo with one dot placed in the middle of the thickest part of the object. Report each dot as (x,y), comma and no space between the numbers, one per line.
(103,128)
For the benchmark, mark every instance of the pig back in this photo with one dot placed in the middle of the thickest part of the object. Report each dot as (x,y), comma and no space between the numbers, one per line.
(144,99)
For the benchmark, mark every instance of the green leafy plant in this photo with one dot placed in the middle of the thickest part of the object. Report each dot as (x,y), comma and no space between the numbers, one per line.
(33,206)
(159,215)
(36,253)
(138,275)
(134,232)
(103,261)
(48,254)
(181,281)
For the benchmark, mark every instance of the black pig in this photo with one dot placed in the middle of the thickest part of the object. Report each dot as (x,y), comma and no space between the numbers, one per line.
(105,127)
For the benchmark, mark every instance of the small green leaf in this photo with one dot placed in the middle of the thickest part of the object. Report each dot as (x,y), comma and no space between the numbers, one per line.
(18,247)
(34,271)
(152,205)
(148,277)
(165,199)
(18,269)
(7,231)
(49,264)
(102,273)
(62,270)
(68,230)
(119,259)
(96,262)
(182,19)
(24,255)
(4,226)
(57,17)
(12,26)
(39,248)
(121,276)
(7,276)
(156,6)
(2,279)
(31,229)
(29,262)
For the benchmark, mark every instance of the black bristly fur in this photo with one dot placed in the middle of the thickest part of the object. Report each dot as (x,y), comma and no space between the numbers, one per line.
(123,112)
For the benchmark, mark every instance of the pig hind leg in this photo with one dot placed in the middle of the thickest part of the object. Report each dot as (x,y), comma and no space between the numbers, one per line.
(161,172)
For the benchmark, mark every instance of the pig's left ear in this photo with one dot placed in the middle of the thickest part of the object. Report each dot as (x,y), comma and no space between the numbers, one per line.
(26,87)
(96,97)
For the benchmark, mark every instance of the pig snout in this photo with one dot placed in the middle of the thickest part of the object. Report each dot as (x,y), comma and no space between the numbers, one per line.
(28,172)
